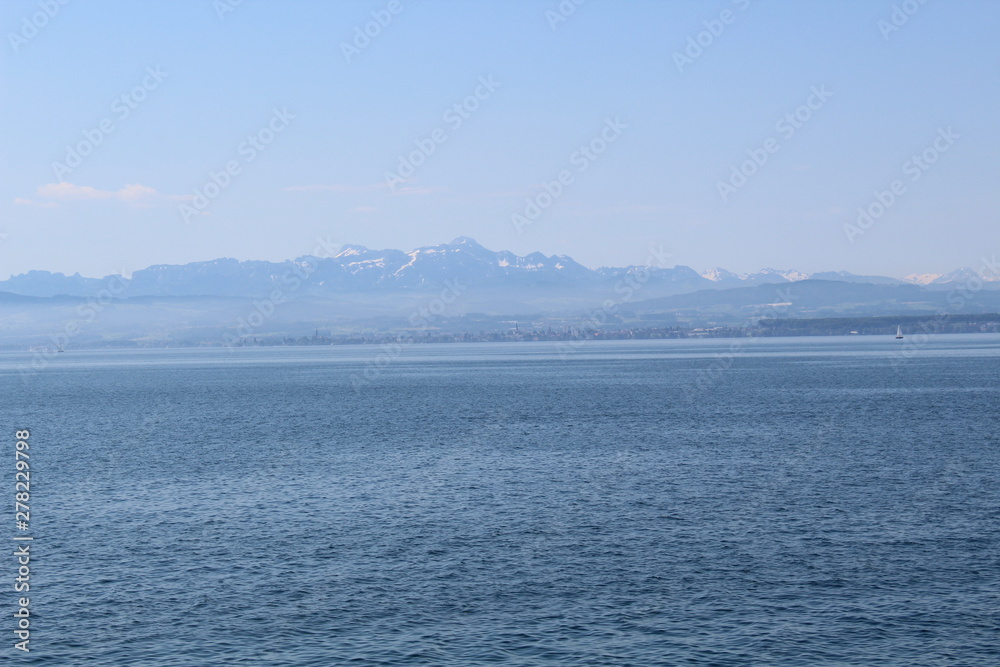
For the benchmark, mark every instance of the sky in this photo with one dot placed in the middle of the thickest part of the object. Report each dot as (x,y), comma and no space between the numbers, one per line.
(855,135)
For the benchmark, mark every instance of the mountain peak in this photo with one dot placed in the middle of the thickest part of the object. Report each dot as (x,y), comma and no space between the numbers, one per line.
(962,275)
(465,240)
(921,278)
(794,276)
(790,275)
(350,250)
(718,274)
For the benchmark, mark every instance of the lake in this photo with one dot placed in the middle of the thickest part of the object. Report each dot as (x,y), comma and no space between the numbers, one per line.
(797,501)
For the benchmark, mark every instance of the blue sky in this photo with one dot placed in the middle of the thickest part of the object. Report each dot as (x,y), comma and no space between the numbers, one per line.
(201,86)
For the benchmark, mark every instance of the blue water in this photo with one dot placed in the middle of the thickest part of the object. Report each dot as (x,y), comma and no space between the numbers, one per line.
(812,501)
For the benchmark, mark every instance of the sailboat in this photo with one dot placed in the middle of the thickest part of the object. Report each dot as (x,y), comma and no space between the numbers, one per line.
(899,332)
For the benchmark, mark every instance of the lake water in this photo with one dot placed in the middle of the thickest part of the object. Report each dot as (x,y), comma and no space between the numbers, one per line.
(811,501)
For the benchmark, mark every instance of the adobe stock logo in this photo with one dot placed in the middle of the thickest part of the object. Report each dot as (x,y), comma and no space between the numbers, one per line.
(223,7)
(901,14)
(363,37)
(122,107)
(562,12)
(705,39)
(30,26)
(582,158)
(786,126)
(454,116)
(249,150)
(914,168)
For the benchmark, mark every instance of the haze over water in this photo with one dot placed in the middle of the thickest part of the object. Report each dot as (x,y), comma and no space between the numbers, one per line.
(801,502)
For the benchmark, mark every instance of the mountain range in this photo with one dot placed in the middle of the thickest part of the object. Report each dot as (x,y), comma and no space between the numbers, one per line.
(454,287)
(357,269)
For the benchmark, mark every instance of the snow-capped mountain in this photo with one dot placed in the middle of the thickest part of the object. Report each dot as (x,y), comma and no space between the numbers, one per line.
(462,259)
(723,278)
(965,275)
(719,275)
(921,278)
(355,269)
(772,276)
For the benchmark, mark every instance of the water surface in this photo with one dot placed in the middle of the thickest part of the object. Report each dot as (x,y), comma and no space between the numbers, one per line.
(720,502)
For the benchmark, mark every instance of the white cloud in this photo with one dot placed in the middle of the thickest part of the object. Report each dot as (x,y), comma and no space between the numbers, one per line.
(133,194)
(67,190)
(136,192)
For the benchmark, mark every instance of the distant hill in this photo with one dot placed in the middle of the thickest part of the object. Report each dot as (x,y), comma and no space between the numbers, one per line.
(455,286)
(813,298)
(356,269)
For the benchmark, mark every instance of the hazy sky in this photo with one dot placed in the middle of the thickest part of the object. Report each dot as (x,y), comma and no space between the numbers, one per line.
(116,113)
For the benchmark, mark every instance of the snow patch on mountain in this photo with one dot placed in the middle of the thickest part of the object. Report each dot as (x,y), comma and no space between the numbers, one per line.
(718,274)
(921,278)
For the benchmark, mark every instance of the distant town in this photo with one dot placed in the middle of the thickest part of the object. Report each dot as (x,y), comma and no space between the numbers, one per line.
(862,326)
